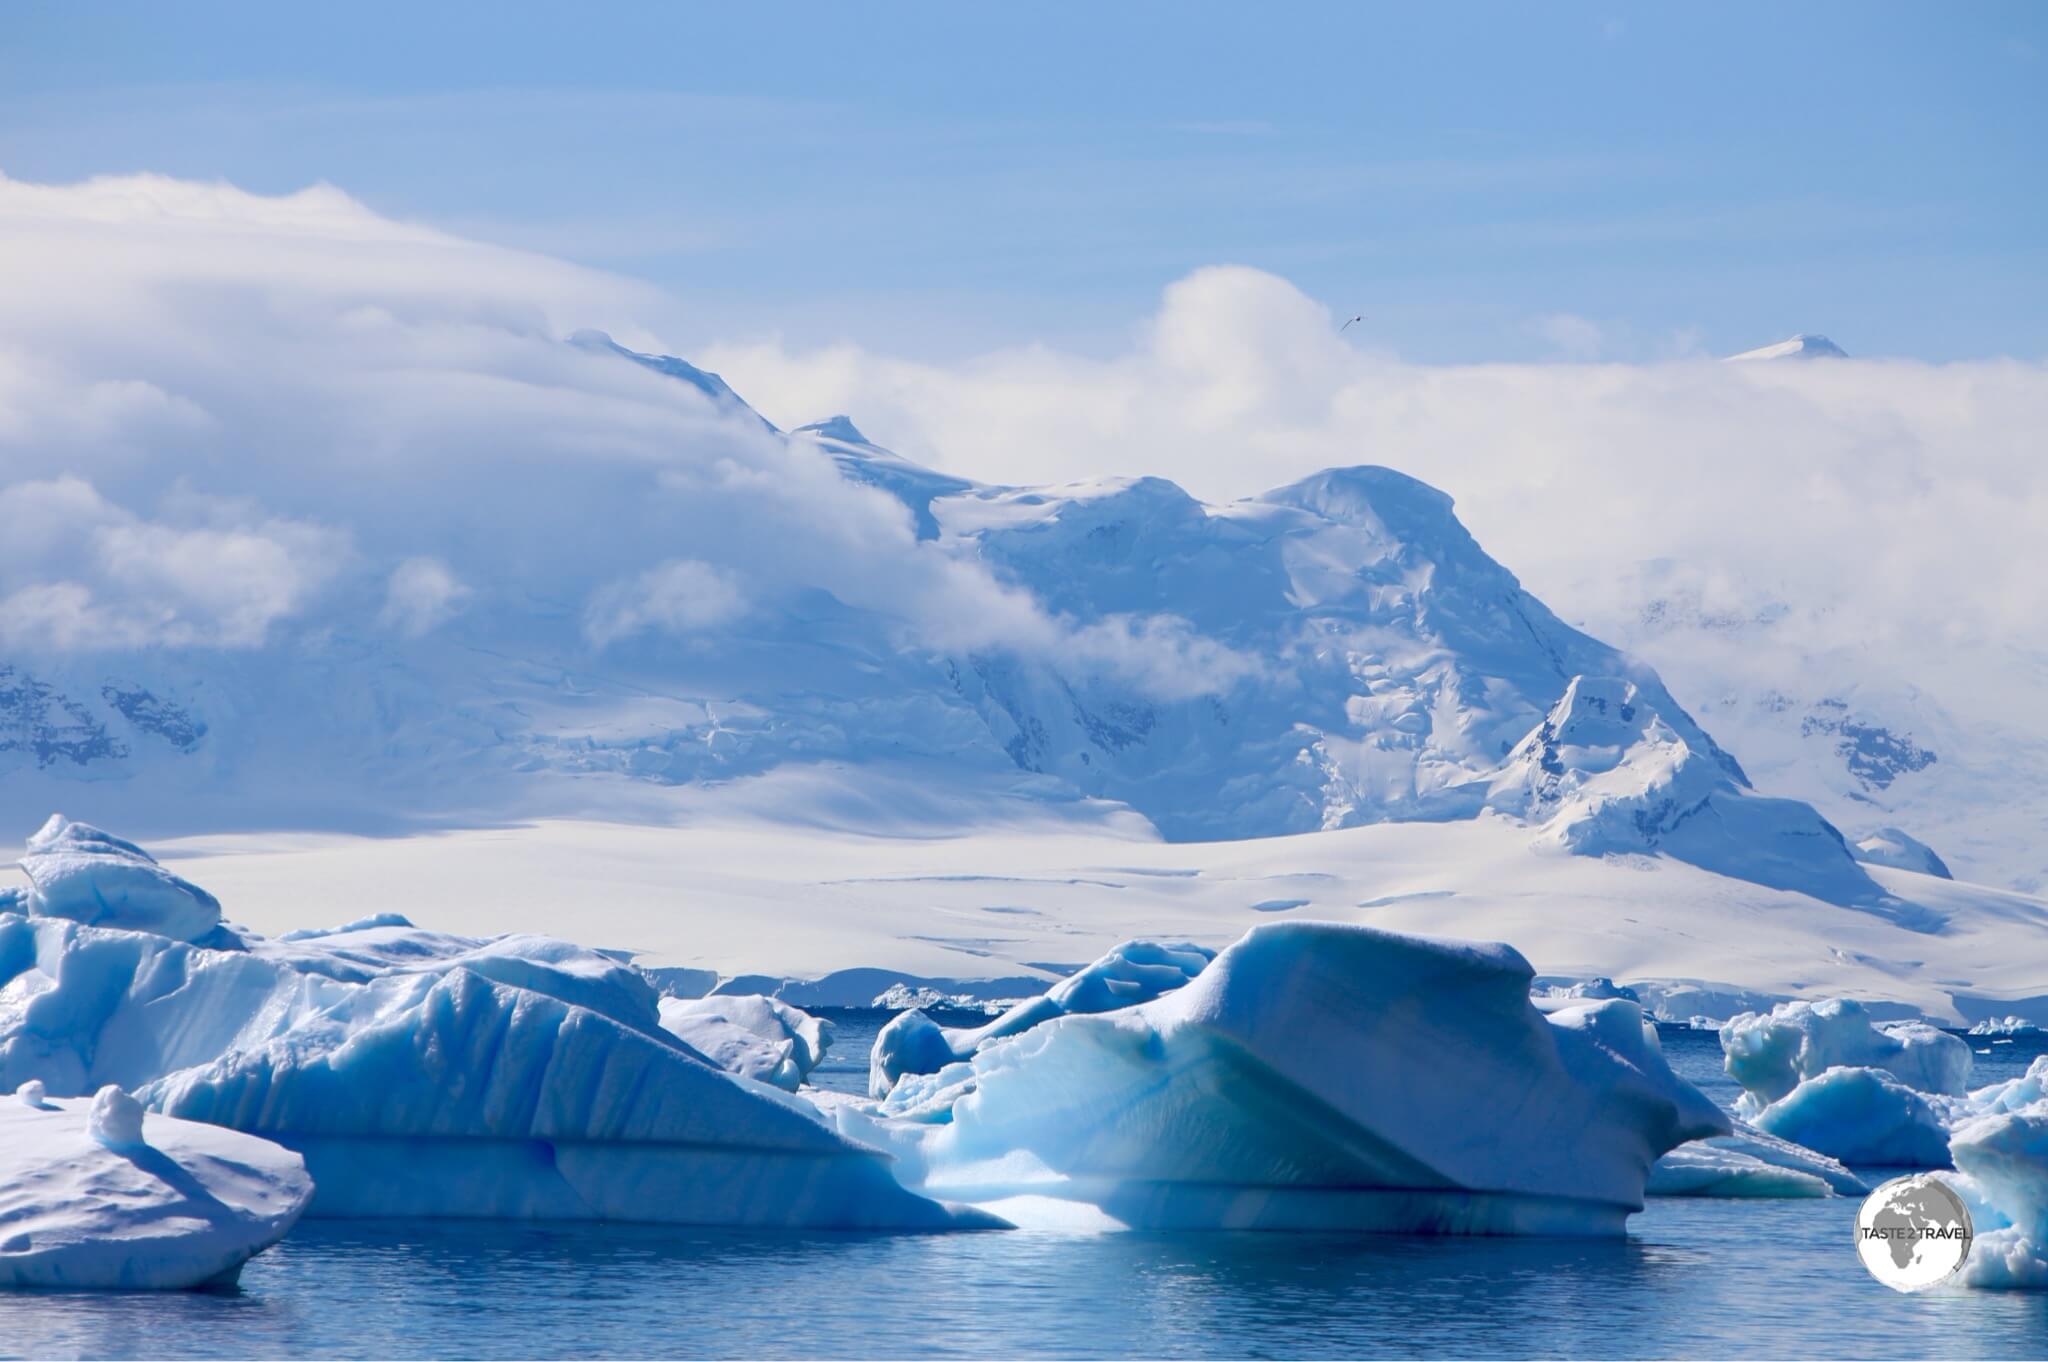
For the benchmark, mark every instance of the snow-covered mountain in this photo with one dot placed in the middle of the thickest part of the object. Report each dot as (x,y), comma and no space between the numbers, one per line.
(1335,652)
(1941,743)
(1802,346)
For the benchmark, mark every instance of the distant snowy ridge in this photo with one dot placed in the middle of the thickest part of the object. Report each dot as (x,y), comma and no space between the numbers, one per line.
(1937,745)
(1802,346)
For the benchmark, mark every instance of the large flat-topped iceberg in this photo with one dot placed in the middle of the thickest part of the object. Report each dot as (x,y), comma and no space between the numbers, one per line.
(95,1194)
(1315,1075)
(423,1074)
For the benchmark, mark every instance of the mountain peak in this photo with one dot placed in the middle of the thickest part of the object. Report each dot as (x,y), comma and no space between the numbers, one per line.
(1346,493)
(840,428)
(703,380)
(1805,345)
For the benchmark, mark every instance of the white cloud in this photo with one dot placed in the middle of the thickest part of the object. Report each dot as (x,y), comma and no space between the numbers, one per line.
(1575,337)
(680,596)
(82,572)
(1906,502)
(224,416)
(421,595)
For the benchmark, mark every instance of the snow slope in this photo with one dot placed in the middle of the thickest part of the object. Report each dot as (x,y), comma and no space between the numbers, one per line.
(759,880)
(1940,741)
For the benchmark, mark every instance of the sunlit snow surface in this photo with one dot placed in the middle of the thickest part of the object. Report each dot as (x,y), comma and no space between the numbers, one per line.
(768,881)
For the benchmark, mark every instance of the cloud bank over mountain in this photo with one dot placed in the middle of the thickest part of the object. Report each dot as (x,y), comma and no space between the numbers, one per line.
(225,414)
(1837,565)
(1912,486)
(243,425)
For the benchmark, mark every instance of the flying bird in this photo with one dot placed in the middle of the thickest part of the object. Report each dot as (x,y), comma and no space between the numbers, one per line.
(1359,318)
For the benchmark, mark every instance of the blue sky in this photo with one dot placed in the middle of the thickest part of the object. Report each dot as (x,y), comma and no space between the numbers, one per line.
(1485,181)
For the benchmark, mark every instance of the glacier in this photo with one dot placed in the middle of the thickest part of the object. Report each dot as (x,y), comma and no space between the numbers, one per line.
(97,1194)
(1314,1076)
(1900,850)
(1340,655)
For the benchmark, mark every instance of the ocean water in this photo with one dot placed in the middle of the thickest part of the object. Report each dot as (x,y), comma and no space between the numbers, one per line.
(1693,1278)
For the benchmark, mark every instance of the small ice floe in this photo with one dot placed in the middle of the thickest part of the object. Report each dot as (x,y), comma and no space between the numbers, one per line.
(1751,1163)
(1134,972)
(1824,1075)
(759,1038)
(100,1196)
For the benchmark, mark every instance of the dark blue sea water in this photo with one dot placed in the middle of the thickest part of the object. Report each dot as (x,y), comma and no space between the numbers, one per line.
(1693,1278)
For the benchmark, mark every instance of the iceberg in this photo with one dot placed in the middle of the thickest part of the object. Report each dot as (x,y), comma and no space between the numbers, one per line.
(2015,1094)
(2005,1026)
(1134,972)
(1751,1163)
(900,997)
(96,1194)
(425,1074)
(1861,1115)
(764,1039)
(1770,1054)
(1313,1076)
(78,872)
(2002,1157)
